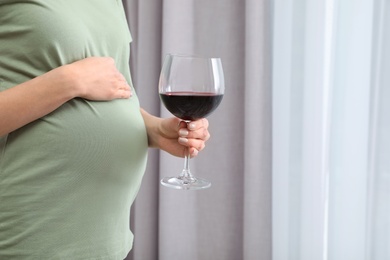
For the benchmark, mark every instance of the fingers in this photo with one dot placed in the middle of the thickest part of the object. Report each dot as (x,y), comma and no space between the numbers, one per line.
(179,138)
(191,146)
(121,91)
(200,134)
(123,88)
(194,135)
(201,123)
(195,130)
(197,144)
(193,152)
(124,91)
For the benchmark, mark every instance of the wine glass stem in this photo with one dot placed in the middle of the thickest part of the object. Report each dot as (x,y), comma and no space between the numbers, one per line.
(186,173)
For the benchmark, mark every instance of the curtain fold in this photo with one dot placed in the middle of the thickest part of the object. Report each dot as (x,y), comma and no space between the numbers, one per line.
(300,129)
(378,207)
(257,130)
(349,150)
(232,219)
(330,130)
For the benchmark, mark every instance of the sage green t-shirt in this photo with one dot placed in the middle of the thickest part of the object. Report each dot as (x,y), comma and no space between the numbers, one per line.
(68,179)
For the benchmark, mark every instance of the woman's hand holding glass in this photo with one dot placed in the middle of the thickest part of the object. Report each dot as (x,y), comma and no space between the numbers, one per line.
(191,88)
(180,136)
(174,136)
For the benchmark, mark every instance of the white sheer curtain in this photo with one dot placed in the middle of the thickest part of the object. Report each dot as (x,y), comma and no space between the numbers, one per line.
(331,129)
(232,219)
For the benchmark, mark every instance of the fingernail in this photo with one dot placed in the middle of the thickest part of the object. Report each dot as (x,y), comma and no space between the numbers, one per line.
(183,140)
(183,132)
(191,126)
(194,153)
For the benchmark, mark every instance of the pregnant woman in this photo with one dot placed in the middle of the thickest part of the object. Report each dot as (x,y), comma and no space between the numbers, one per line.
(73,138)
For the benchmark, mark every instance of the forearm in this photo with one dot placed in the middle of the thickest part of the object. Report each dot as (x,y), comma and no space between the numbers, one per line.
(34,99)
(152,128)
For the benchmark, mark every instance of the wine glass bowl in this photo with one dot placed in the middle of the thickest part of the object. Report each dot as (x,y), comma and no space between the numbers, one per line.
(190,87)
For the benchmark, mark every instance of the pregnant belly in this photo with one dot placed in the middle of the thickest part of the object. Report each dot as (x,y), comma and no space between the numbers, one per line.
(71,174)
(104,139)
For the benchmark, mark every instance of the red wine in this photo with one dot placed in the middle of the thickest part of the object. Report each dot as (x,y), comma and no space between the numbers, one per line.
(191,105)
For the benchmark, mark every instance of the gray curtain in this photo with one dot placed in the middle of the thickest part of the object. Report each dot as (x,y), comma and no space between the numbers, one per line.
(232,219)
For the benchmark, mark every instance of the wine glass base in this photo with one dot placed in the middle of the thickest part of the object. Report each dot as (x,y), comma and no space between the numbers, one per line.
(181,183)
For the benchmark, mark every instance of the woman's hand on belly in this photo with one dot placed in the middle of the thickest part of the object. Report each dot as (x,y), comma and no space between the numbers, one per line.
(95,78)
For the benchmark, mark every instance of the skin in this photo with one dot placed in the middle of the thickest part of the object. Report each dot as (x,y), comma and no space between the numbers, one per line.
(174,136)
(95,78)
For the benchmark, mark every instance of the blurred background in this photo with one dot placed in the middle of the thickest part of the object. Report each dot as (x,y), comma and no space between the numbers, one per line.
(299,157)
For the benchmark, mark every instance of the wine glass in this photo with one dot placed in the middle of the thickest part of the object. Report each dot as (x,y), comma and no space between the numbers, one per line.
(190,87)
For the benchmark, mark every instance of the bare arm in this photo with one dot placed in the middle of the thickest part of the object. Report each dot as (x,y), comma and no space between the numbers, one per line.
(91,78)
